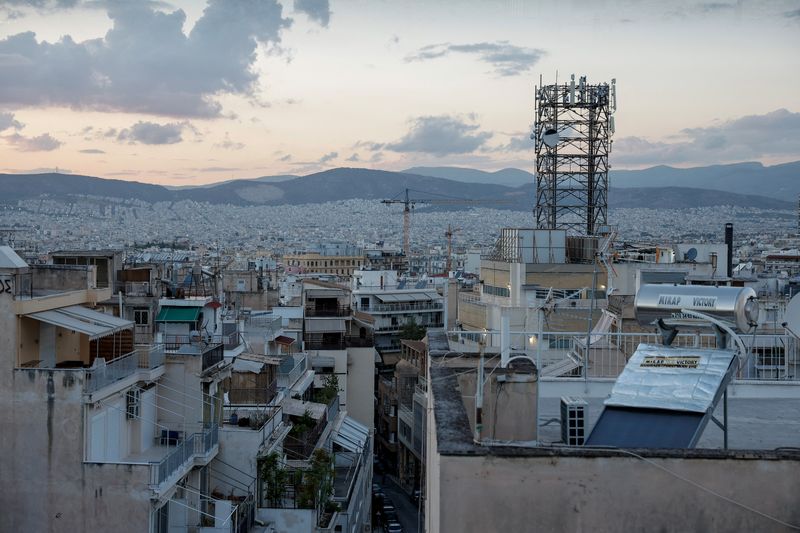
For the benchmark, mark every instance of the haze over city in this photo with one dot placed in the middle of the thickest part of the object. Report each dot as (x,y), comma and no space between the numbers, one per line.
(192,92)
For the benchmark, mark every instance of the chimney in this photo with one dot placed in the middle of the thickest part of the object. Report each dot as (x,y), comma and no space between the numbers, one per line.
(729,242)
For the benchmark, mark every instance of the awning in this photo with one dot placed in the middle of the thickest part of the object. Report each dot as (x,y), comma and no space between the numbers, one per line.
(284,340)
(178,314)
(253,362)
(83,320)
(352,436)
(405,297)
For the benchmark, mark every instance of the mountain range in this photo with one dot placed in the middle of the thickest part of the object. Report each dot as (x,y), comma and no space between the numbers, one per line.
(746,184)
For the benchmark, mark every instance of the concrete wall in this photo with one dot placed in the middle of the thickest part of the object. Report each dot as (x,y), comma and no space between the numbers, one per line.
(63,277)
(490,493)
(46,486)
(288,520)
(361,385)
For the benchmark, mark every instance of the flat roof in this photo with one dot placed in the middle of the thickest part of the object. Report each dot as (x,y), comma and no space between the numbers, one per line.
(758,428)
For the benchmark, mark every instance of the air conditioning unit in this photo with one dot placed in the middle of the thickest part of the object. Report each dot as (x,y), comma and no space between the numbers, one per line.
(573,420)
(133,401)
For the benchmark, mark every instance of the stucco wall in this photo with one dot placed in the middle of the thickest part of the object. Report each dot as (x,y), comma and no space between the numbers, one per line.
(46,486)
(490,493)
(361,385)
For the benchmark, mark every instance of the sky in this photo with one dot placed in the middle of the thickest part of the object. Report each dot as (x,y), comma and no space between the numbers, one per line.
(187,92)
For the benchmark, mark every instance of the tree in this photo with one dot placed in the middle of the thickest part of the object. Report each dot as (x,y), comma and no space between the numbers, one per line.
(275,476)
(411,331)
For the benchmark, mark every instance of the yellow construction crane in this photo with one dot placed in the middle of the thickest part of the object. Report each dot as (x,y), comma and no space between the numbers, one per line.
(449,234)
(409,203)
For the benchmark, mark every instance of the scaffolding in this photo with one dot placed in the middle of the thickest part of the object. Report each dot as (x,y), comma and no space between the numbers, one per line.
(572,130)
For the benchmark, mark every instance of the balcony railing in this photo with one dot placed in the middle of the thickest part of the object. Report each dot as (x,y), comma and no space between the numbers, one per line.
(287,379)
(327,312)
(150,357)
(134,288)
(112,371)
(387,308)
(174,342)
(253,396)
(196,445)
(213,356)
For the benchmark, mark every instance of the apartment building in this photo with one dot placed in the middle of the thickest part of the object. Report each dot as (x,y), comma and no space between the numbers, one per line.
(338,349)
(105,433)
(383,303)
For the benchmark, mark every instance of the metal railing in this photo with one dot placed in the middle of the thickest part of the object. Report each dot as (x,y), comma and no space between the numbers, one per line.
(134,288)
(174,342)
(314,312)
(379,308)
(195,445)
(103,374)
(770,357)
(213,356)
(287,379)
(333,409)
(150,357)
(253,395)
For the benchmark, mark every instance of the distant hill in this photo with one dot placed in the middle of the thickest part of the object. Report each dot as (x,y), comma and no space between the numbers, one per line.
(510,177)
(266,179)
(778,181)
(686,197)
(351,183)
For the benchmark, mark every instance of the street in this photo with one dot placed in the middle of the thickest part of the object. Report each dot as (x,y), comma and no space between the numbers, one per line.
(406,509)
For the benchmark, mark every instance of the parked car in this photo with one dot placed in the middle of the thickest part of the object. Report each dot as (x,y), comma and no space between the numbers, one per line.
(393,527)
(415,495)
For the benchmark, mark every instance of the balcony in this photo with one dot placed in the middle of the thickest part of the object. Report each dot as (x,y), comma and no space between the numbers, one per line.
(197,448)
(175,342)
(104,374)
(134,288)
(289,377)
(403,307)
(327,312)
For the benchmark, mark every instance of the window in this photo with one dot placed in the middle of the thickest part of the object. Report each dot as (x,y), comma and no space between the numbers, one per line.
(141,317)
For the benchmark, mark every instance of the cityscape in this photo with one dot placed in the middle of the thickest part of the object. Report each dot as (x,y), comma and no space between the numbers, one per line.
(322,266)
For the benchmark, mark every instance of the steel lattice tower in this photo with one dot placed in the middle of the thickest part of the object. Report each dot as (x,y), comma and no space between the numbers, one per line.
(572,130)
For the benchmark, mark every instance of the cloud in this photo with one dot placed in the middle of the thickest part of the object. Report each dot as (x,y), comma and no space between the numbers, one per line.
(146,63)
(286,158)
(91,151)
(354,158)
(217,169)
(228,144)
(38,170)
(327,158)
(516,143)
(441,135)
(753,137)
(317,10)
(506,58)
(7,121)
(795,14)
(40,143)
(42,4)
(152,133)
(711,7)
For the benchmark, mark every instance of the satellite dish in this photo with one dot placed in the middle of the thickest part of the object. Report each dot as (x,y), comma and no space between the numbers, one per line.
(691,255)
(550,138)
(792,316)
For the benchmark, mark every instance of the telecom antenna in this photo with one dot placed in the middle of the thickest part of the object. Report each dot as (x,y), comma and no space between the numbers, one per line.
(572,133)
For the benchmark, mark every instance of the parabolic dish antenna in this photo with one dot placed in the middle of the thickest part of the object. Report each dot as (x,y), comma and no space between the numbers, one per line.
(550,138)
(791,318)
(691,255)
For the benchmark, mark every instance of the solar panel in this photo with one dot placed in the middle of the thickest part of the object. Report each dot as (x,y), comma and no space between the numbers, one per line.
(628,427)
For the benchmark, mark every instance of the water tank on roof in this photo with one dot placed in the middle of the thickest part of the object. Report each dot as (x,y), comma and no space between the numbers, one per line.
(737,306)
